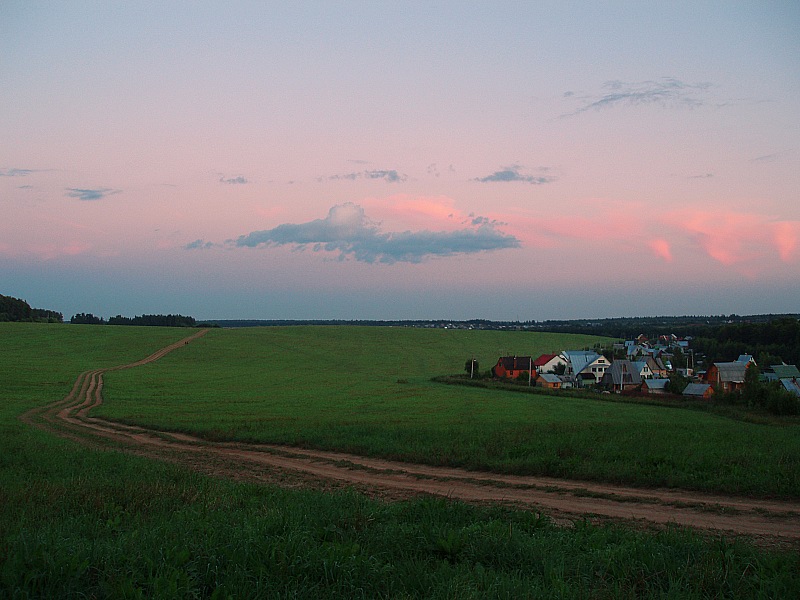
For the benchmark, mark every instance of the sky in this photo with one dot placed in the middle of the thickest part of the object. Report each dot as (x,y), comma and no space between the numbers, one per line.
(401,160)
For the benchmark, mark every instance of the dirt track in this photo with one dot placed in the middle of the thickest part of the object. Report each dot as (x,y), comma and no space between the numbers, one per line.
(70,417)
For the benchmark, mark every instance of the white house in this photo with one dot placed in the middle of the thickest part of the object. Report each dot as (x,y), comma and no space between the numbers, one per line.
(583,363)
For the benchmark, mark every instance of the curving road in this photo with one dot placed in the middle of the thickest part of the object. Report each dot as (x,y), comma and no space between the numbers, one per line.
(563,499)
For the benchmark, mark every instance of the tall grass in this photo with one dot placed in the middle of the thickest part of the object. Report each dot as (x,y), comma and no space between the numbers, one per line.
(82,523)
(369,391)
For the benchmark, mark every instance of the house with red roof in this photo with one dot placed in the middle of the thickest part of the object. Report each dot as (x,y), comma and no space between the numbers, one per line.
(548,363)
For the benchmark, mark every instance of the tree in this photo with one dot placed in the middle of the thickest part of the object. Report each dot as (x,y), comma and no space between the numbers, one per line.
(559,369)
(677,383)
(86,319)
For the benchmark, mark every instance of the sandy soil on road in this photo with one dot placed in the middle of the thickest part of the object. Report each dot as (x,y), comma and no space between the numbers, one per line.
(70,417)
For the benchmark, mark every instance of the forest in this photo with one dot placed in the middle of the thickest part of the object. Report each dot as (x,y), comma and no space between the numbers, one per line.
(142,320)
(14,309)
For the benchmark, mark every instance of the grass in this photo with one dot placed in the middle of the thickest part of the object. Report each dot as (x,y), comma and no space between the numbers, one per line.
(369,391)
(83,523)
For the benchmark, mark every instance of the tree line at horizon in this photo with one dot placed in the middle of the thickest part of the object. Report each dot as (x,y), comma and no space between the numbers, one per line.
(17,310)
(139,320)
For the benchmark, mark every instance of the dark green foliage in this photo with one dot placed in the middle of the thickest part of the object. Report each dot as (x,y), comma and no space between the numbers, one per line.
(154,321)
(779,338)
(677,383)
(767,395)
(14,309)
(86,319)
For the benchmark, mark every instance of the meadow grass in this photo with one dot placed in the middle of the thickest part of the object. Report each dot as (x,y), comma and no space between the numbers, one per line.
(369,391)
(77,522)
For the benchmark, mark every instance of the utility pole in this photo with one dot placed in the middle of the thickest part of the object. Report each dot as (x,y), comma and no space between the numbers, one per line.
(530,370)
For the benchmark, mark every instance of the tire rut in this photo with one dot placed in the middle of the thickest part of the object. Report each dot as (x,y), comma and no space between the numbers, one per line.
(70,418)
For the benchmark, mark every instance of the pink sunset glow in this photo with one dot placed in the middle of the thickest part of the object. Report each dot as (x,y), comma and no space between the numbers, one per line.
(327,161)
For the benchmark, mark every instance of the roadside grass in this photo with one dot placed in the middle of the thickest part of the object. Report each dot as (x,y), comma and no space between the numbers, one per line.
(80,522)
(369,391)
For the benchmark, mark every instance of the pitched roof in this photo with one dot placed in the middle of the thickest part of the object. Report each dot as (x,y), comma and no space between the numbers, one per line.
(746,358)
(544,359)
(695,389)
(515,363)
(731,371)
(656,384)
(580,359)
(550,378)
(623,372)
(785,371)
(639,365)
(791,385)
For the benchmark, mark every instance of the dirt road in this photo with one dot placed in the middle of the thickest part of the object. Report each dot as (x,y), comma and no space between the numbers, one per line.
(563,499)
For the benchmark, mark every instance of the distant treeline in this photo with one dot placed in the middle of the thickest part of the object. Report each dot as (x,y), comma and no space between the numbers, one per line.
(14,309)
(629,327)
(143,320)
(770,343)
(769,338)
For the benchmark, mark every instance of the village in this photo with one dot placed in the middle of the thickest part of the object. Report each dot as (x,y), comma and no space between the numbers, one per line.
(642,366)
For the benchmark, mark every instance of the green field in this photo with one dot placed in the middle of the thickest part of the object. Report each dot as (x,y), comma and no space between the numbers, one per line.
(368,390)
(85,523)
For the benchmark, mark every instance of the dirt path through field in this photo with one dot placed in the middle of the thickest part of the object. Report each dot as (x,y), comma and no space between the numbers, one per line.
(70,417)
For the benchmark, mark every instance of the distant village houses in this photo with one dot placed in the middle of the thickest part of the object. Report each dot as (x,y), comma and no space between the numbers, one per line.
(639,366)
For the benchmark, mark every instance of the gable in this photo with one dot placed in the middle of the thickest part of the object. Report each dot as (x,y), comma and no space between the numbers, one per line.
(730,372)
(544,359)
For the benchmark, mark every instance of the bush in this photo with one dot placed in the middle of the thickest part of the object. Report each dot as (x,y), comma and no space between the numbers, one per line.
(780,402)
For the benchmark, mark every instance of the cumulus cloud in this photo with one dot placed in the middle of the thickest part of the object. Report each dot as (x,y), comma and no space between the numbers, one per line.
(238,180)
(348,231)
(513,173)
(90,194)
(390,176)
(666,92)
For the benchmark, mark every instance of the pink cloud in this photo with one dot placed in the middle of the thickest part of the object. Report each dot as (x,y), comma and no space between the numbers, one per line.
(746,242)
(416,212)
(52,251)
(734,238)
(786,235)
(661,248)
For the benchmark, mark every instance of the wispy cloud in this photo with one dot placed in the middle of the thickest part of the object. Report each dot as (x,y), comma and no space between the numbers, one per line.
(766,157)
(666,92)
(661,248)
(513,173)
(743,242)
(390,176)
(90,194)
(199,245)
(735,238)
(17,172)
(347,230)
(238,180)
